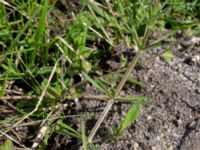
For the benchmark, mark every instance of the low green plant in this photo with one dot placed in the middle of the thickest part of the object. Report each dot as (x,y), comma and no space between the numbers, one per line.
(31,53)
(138,25)
(7,145)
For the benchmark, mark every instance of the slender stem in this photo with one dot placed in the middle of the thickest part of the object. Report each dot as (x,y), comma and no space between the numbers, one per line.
(111,102)
(127,74)
(100,120)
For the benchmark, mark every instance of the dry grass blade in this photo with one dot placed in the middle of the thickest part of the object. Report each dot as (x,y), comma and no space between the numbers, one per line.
(43,94)
(41,97)
(45,126)
(9,5)
(16,97)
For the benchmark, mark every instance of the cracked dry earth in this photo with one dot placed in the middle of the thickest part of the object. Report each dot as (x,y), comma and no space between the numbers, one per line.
(172,120)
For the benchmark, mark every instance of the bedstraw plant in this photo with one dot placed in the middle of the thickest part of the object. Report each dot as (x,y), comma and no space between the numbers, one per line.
(51,49)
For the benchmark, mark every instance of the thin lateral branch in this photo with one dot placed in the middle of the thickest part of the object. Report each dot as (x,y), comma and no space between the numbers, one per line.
(95,97)
(84,97)
(17,97)
(12,106)
(89,97)
(6,91)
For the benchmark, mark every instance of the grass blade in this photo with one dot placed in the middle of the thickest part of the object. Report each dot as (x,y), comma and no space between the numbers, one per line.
(99,11)
(40,29)
(41,24)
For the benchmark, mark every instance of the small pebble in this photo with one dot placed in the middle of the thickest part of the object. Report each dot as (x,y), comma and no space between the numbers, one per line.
(178,122)
(149,117)
(136,146)
(192,125)
(196,59)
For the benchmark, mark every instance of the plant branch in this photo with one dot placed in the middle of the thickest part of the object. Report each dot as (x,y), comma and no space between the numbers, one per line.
(111,101)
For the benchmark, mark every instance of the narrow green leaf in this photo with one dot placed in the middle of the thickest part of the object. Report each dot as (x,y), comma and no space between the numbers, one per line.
(5,54)
(84,138)
(168,55)
(165,36)
(134,99)
(7,145)
(40,30)
(66,132)
(133,31)
(134,81)
(99,11)
(60,123)
(152,46)
(64,128)
(44,70)
(12,76)
(97,83)
(100,83)
(41,24)
(85,2)
(86,65)
(93,146)
(131,116)
(103,14)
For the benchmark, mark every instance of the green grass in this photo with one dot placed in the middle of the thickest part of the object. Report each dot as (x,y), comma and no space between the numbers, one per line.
(42,52)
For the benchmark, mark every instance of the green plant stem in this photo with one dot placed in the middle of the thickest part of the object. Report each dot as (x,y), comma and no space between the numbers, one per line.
(100,120)
(127,74)
(111,101)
